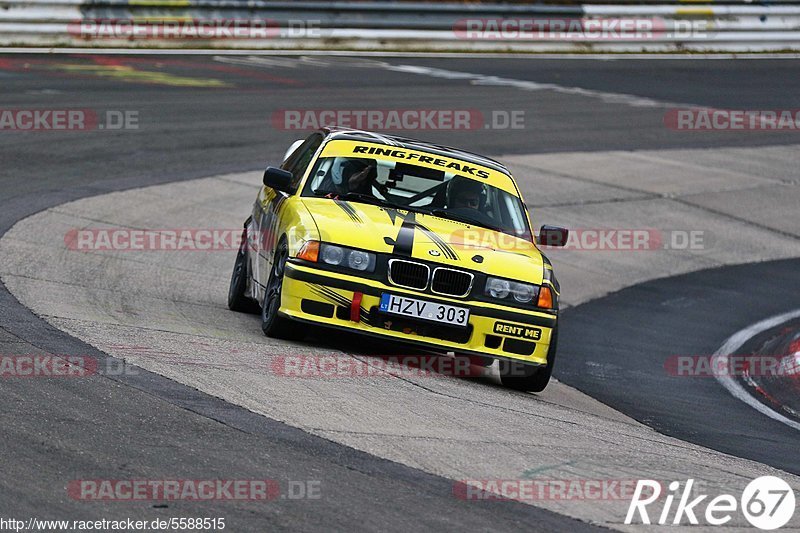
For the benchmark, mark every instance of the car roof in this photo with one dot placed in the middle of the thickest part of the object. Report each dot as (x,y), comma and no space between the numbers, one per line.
(342,133)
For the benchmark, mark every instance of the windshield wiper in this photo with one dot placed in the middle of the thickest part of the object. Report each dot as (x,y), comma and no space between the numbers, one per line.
(444,213)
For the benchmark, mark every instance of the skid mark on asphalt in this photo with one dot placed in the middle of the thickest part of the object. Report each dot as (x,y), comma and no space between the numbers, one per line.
(148,71)
(113,71)
(204,66)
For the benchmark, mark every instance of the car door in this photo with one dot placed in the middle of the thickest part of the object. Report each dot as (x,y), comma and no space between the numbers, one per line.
(267,210)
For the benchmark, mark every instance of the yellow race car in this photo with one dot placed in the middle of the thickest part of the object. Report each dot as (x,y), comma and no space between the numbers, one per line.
(404,240)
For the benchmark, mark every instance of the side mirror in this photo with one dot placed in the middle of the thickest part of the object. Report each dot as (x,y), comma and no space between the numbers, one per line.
(278,179)
(552,236)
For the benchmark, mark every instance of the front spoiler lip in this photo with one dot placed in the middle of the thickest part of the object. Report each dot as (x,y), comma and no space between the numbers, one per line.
(338,283)
(422,344)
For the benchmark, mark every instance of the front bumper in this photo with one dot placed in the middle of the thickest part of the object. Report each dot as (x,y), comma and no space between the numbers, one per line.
(326,298)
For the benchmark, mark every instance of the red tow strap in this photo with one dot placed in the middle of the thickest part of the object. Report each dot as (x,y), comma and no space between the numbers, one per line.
(355,307)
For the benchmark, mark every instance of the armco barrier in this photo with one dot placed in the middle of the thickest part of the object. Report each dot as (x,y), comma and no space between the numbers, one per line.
(733,26)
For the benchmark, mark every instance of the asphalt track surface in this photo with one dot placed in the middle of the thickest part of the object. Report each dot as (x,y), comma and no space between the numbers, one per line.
(620,359)
(150,426)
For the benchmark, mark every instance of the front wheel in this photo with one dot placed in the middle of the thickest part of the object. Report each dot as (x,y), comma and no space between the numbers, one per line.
(520,376)
(272,324)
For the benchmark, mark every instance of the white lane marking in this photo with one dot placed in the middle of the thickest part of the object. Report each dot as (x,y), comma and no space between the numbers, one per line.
(731,346)
(294,62)
(482,79)
(377,53)
(280,62)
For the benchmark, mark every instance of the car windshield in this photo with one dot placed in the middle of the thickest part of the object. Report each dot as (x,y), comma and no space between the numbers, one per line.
(417,188)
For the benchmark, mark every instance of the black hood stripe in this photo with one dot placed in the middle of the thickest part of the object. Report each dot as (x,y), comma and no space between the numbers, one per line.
(404,243)
(392,213)
(349,210)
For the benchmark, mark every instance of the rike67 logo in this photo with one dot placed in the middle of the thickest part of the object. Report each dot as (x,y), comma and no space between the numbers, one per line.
(767,503)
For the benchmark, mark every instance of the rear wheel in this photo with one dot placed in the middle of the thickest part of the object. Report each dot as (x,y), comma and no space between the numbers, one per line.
(520,376)
(272,324)
(237,299)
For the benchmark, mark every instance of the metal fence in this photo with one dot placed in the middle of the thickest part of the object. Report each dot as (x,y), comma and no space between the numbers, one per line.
(646,25)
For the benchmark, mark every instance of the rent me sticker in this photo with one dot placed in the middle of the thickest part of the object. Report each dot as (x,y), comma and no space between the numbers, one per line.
(514,330)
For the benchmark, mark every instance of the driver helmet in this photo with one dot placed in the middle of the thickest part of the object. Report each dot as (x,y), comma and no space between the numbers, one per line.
(459,189)
(343,168)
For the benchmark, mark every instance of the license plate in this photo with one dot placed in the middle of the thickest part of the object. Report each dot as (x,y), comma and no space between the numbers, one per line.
(411,307)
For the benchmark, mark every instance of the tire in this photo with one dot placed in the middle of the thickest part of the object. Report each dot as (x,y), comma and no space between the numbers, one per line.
(237,300)
(272,324)
(530,378)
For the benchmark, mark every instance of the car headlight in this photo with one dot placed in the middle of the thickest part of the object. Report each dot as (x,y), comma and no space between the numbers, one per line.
(358,260)
(523,292)
(498,288)
(501,289)
(331,254)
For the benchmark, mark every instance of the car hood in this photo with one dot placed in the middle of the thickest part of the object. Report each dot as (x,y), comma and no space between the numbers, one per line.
(425,237)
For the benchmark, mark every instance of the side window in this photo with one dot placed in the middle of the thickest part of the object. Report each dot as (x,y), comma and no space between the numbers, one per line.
(299,160)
